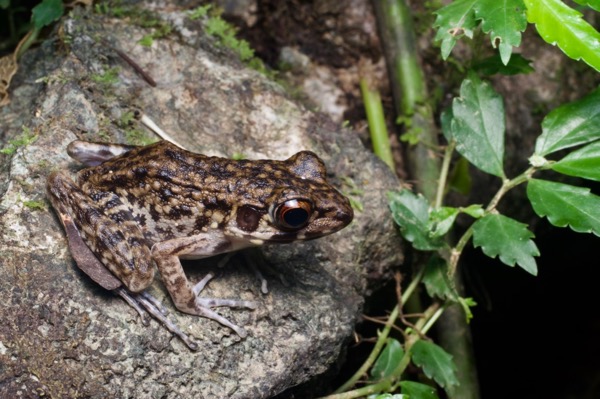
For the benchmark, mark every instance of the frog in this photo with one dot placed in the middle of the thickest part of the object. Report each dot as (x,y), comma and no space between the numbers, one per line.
(134,209)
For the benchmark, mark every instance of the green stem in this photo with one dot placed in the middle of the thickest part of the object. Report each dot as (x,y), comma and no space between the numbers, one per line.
(379,133)
(381,386)
(507,185)
(438,313)
(444,173)
(29,39)
(385,384)
(429,313)
(382,338)
(398,39)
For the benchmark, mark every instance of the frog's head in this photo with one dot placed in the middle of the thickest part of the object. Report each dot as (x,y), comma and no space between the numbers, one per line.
(301,206)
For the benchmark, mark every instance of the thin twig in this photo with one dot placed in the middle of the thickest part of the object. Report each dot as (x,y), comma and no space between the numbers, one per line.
(145,75)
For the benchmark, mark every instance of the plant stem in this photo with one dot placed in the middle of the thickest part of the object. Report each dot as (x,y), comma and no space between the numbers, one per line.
(431,312)
(379,133)
(381,339)
(507,185)
(428,318)
(26,42)
(444,173)
(410,91)
(381,386)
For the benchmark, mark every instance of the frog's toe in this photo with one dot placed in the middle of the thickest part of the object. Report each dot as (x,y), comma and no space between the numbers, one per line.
(230,303)
(211,314)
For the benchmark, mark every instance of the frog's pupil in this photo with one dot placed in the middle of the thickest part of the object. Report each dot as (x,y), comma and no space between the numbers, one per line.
(295,217)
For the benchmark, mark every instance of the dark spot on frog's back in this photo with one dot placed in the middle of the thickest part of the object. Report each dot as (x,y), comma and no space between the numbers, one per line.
(248,218)
(175,154)
(140,172)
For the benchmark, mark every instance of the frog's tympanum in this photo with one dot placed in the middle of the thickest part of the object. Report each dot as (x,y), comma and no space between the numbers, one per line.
(135,206)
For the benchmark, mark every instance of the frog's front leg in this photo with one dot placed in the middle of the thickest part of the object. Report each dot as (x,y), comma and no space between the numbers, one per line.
(166,255)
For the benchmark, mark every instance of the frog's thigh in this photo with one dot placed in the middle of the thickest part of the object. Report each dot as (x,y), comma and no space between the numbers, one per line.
(120,247)
(166,255)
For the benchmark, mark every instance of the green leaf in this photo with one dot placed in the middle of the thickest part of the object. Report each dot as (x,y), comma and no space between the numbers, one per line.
(559,24)
(46,12)
(4,4)
(446,123)
(511,240)
(593,4)
(570,125)
(584,162)
(565,205)
(478,125)
(441,220)
(503,20)
(467,304)
(475,211)
(388,360)
(411,213)
(460,177)
(435,362)
(416,390)
(435,278)
(452,22)
(493,65)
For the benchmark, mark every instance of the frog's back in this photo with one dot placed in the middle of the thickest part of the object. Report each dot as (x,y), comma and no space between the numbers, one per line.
(172,192)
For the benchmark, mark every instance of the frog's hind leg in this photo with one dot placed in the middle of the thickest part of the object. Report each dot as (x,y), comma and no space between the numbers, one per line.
(59,187)
(81,253)
(102,235)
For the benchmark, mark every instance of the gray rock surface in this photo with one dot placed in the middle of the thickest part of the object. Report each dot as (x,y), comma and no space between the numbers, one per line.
(62,335)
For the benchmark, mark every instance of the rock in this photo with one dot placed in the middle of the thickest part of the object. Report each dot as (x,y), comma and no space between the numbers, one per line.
(62,335)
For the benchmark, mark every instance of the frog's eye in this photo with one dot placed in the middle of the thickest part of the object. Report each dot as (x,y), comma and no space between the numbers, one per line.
(293,214)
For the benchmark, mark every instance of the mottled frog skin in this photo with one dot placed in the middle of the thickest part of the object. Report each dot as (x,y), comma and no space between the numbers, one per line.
(135,206)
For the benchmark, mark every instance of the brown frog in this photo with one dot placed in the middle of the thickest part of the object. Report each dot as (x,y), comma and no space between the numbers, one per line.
(135,206)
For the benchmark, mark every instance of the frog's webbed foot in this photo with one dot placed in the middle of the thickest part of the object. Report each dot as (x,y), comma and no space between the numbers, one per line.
(145,303)
(204,305)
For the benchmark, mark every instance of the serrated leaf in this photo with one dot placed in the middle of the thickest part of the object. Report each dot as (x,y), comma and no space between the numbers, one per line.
(571,124)
(503,20)
(416,390)
(493,65)
(452,22)
(411,213)
(435,278)
(565,205)
(593,4)
(441,220)
(559,24)
(435,362)
(499,235)
(584,162)
(388,360)
(46,12)
(478,125)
